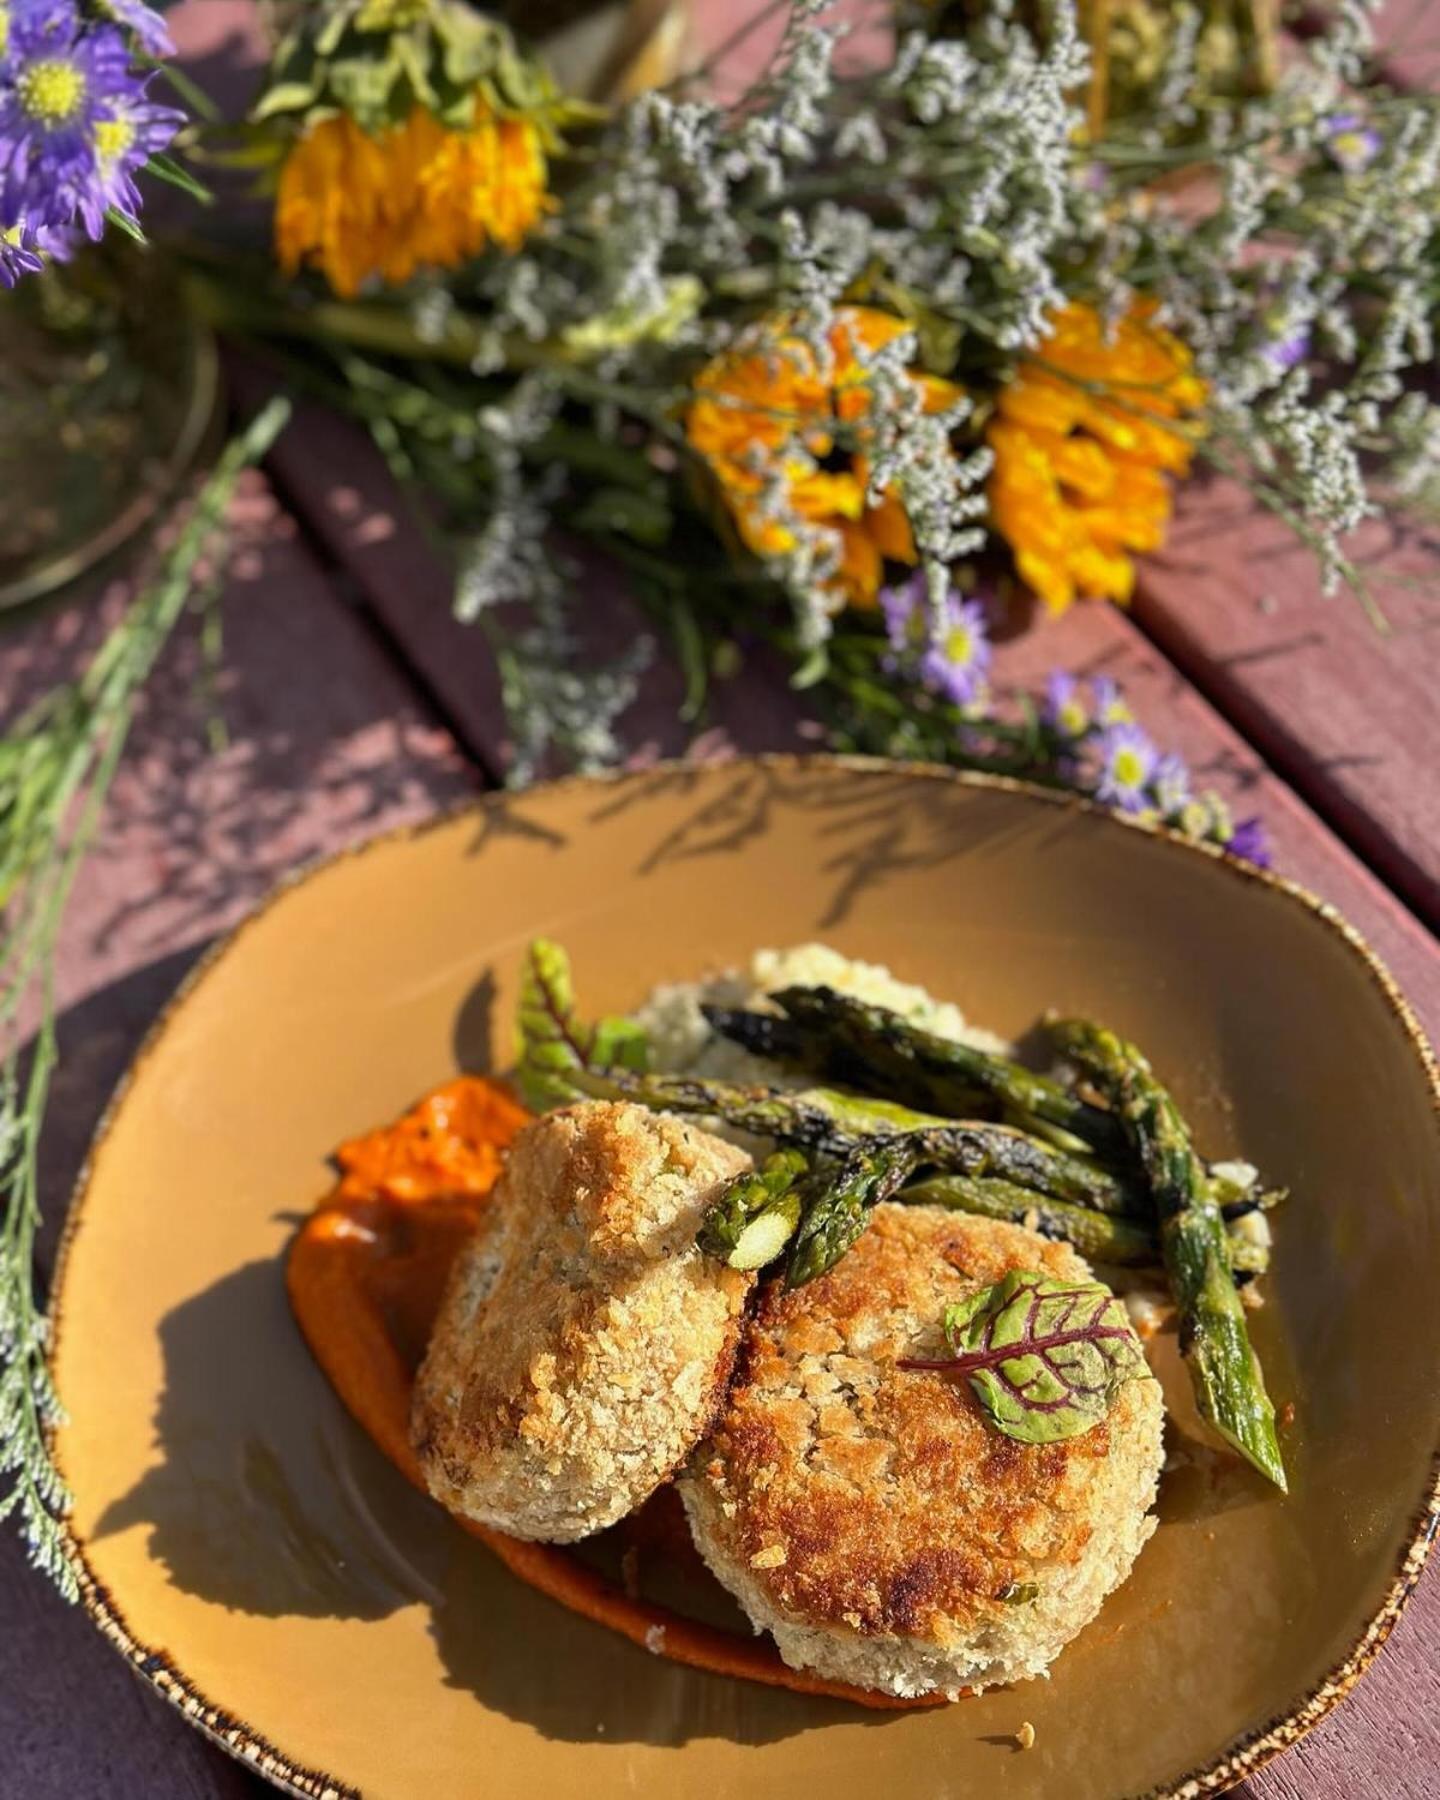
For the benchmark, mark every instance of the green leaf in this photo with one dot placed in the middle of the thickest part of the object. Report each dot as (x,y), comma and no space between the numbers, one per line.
(166,168)
(362,88)
(553,1042)
(332,29)
(408,61)
(285,96)
(1046,1358)
(123,222)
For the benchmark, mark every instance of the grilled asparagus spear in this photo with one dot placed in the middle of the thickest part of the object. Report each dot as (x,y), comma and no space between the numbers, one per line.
(756,1214)
(870,1047)
(1225,1372)
(1128,1243)
(830,1123)
(838,1205)
(1124,1243)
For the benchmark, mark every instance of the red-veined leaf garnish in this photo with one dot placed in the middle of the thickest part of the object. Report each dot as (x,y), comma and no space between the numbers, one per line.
(1045,1358)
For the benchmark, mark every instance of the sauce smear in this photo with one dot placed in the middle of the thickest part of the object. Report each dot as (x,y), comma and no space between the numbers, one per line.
(365,1275)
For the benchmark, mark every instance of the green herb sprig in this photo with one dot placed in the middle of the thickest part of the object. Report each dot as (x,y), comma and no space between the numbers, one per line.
(56,767)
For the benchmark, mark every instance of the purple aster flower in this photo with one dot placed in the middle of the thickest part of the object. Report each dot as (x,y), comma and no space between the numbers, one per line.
(143,21)
(61,88)
(33,15)
(1062,708)
(1248,840)
(1127,762)
(1171,784)
(955,665)
(126,142)
(1285,352)
(1353,145)
(952,664)
(903,608)
(19,253)
(1111,707)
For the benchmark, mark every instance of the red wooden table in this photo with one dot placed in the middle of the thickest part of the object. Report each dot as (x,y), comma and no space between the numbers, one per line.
(354,702)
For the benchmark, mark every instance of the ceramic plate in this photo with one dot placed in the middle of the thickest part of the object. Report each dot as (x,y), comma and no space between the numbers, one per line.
(253,1555)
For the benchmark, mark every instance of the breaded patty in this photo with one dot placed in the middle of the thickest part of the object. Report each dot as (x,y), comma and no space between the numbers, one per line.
(584,1343)
(870,1517)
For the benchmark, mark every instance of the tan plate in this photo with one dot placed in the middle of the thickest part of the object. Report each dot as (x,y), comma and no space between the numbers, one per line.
(253,1555)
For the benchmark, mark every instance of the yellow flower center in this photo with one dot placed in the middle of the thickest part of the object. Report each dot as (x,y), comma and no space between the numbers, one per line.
(113,137)
(51,90)
(960,645)
(12,236)
(1071,718)
(4,28)
(1128,768)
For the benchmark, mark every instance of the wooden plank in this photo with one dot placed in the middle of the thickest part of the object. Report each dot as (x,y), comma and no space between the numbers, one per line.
(1095,638)
(1350,716)
(1407,35)
(332,476)
(328,744)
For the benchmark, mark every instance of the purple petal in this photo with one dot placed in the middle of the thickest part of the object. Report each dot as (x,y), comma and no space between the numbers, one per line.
(149,28)
(1062,709)
(1127,763)
(1250,841)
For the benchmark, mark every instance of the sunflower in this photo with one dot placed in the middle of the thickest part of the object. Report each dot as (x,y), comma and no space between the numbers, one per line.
(356,203)
(1085,437)
(785,436)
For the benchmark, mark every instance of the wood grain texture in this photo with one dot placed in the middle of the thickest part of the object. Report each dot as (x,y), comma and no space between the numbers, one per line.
(335,480)
(1348,715)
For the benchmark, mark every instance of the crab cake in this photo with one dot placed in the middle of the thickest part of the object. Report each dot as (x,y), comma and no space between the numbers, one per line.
(871,1517)
(584,1343)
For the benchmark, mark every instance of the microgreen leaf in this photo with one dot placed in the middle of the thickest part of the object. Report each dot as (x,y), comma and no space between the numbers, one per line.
(553,1042)
(1046,1358)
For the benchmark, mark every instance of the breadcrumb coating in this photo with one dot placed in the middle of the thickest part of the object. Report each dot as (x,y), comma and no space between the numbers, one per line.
(584,1344)
(871,1517)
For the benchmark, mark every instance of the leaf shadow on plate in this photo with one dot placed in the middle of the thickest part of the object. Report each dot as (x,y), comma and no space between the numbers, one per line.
(871,829)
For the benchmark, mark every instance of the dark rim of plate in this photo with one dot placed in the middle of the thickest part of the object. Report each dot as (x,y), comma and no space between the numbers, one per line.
(1234,1763)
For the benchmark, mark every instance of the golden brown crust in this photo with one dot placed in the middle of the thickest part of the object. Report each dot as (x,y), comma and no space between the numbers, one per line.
(843,1492)
(584,1342)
